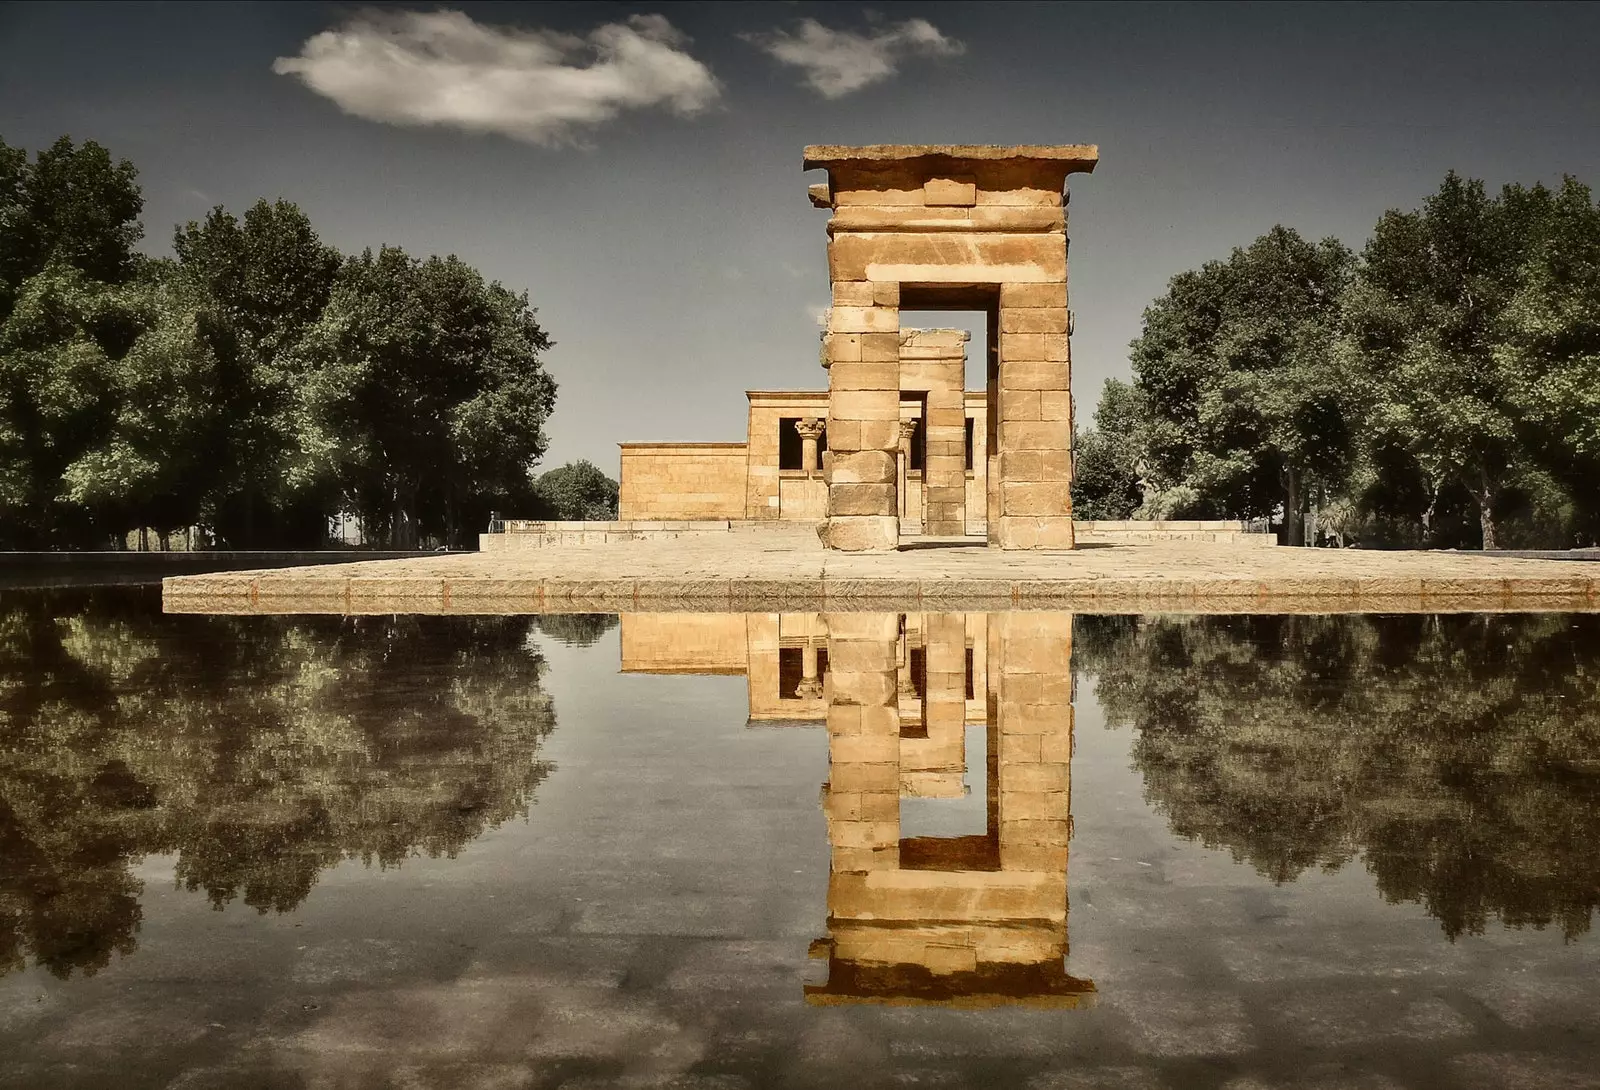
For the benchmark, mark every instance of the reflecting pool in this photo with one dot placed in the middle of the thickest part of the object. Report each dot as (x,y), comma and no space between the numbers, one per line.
(845,849)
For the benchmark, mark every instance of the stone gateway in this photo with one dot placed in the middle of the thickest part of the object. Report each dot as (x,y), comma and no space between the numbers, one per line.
(949,227)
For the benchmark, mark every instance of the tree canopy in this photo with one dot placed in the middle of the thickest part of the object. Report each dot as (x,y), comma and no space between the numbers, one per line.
(576,491)
(1439,388)
(256,384)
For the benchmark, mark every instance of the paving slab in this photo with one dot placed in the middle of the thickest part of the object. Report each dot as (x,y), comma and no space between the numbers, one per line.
(769,572)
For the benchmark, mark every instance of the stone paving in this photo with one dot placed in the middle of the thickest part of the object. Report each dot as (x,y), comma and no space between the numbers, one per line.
(789,570)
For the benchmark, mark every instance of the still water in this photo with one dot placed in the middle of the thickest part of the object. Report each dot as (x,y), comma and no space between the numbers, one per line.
(699,850)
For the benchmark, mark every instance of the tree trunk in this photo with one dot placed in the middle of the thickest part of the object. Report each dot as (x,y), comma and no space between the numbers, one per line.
(164,539)
(1293,527)
(403,534)
(1485,495)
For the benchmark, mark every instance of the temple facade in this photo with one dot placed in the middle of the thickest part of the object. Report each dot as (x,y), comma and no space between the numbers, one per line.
(781,470)
(897,446)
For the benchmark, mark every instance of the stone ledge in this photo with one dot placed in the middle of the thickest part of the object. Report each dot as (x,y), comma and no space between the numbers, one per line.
(779,572)
(269,592)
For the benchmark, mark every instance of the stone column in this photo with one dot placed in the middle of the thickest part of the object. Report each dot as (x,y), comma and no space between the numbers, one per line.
(1035,418)
(862,348)
(862,796)
(933,361)
(908,428)
(810,429)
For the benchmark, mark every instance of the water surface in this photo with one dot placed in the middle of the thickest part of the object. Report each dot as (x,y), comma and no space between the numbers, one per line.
(803,850)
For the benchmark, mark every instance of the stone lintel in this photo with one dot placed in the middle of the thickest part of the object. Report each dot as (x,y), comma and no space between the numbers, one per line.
(787,395)
(680,446)
(1075,158)
(940,343)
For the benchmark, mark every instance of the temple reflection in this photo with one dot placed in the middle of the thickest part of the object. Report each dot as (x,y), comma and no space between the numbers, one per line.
(973,910)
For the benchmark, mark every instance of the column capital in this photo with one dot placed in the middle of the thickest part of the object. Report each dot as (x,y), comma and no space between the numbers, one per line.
(908,428)
(810,427)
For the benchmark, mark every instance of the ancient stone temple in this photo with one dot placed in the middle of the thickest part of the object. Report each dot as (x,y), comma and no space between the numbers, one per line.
(954,227)
(779,472)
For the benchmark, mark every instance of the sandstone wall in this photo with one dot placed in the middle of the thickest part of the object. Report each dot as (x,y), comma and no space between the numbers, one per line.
(683,481)
(771,493)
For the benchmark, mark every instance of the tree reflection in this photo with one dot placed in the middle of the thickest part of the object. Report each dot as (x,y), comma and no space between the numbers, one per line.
(577,629)
(1459,755)
(260,751)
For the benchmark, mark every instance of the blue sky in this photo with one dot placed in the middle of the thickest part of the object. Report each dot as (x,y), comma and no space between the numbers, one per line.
(636,167)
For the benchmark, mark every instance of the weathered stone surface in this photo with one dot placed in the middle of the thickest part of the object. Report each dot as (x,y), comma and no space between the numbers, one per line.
(852,293)
(957,190)
(1045,347)
(842,347)
(881,348)
(1034,375)
(864,467)
(876,403)
(867,376)
(860,499)
(948,258)
(1033,296)
(1005,218)
(866,319)
(1033,319)
(861,533)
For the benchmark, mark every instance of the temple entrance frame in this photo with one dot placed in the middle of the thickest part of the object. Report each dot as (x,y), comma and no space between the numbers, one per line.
(949,227)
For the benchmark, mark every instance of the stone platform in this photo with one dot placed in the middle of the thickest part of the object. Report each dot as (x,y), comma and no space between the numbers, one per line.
(791,572)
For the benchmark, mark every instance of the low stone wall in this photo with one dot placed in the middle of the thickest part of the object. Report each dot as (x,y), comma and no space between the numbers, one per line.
(1136,532)
(529,534)
(534,534)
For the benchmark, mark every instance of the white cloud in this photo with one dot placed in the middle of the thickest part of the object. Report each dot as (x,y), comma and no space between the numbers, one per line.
(836,62)
(539,86)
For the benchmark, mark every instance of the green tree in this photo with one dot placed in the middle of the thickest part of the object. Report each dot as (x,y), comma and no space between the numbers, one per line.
(423,393)
(577,491)
(60,348)
(1249,402)
(73,206)
(257,286)
(1425,320)
(1550,351)
(1106,458)
(159,458)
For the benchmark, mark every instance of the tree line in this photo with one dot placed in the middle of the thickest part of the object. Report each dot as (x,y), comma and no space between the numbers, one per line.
(257,384)
(1441,388)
